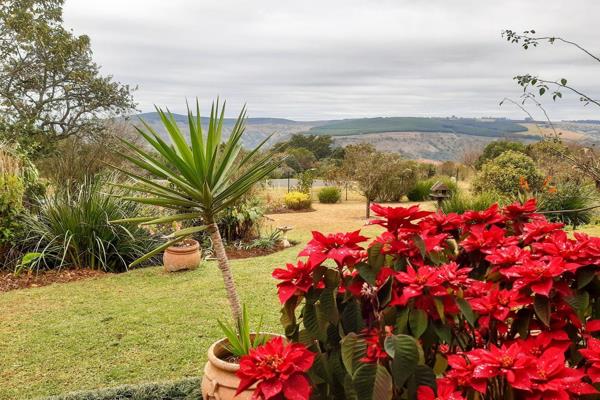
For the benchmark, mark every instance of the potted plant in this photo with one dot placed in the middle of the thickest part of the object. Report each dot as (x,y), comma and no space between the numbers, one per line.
(197,177)
(183,255)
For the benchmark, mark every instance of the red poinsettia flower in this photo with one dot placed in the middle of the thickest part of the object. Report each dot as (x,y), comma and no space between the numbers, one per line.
(375,351)
(536,231)
(487,240)
(434,242)
(552,379)
(497,304)
(398,217)
(278,368)
(416,281)
(592,355)
(509,362)
(454,275)
(297,279)
(462,370)
(445,391)
(519,214)
(482,218)
(440,223)
(536,345)
(340,247)
(537,275)
(506,256)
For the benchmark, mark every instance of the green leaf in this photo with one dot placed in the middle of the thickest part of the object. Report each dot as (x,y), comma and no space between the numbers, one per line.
(466,310)
(563,81)
(372,381)
(405,357)
(417,321)
(327,306)
(439,306)
(579,303)
(352,320)
(375,257)
(584,276)
(353,350)
(541,305)
(425,377)
(313,323)
(367,272)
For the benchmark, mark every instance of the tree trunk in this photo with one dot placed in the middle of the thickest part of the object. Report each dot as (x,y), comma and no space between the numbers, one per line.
(368,210)
(223,261)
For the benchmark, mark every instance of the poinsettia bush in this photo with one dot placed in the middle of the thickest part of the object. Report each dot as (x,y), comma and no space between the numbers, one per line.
(495,304)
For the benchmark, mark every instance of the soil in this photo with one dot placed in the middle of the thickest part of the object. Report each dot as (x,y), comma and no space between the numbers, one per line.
(289,211)
(9,281)
(235,253)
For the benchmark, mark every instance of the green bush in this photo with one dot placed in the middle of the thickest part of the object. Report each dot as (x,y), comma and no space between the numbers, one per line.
(421,190)
(329,195)
(498,147)
(73,230)
(461,202)
(12,190)
(568,196)
(185,389)
(504,174)
(297,201)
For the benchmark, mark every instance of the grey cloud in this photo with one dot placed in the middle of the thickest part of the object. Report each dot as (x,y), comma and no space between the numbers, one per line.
(335,58)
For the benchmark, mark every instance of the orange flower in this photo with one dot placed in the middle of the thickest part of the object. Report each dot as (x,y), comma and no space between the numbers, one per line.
(523,183)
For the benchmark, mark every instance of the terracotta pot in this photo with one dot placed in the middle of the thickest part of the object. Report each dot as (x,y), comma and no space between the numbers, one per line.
(176,258)
(219,381)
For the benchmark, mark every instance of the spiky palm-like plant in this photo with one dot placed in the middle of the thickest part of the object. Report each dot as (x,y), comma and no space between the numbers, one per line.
(197,178)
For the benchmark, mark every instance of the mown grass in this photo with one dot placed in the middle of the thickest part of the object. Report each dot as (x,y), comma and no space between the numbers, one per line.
(143,325)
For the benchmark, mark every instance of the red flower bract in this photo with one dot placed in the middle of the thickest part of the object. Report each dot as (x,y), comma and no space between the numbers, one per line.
(398,217)
(278,368)
(297,279)
(340,247)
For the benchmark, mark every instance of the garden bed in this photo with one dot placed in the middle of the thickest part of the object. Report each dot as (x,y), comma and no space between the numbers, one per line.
(236,253)
(10,281)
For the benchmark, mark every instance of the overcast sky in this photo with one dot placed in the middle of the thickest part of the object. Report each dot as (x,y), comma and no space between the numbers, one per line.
(340,59)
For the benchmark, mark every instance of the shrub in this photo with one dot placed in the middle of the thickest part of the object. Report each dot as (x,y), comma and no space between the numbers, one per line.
(241,221)
(568,196)
(462,202)
(421,190)
(185,389)
(12,190)
(73,230)
(493,304)
(297,200)
(498,147)
(507,173)
(329,195)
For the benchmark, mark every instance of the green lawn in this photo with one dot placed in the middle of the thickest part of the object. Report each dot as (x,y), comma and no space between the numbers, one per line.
(140,326)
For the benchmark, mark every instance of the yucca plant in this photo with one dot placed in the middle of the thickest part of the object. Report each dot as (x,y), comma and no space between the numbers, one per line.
(197,178)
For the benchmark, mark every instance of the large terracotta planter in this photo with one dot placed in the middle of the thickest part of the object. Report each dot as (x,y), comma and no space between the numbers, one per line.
(182,257)
(219,381)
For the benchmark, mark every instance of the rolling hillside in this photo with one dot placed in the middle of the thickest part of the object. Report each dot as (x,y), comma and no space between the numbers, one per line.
(415,137)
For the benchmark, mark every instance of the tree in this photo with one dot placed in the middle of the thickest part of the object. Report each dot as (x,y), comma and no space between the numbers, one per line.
(50,88)
(320,146)
(197,180)
(587,161)
(299,159)
(497,147)
(505,174)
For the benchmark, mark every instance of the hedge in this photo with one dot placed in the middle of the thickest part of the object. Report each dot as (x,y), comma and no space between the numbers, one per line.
(185,389)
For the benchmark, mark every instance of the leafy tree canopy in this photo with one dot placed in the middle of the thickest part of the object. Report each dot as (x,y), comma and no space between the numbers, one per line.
(50,88)
(320,146)
(496,148)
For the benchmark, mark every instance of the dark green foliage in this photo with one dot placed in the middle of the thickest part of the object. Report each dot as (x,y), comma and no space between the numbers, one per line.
(421,190)
(568,196)
(467,126)
(496,148)
(505,174)
(329,195)
(11,206)
(241,221)
(320,146)
(72,229)
(462,202)
(185,389)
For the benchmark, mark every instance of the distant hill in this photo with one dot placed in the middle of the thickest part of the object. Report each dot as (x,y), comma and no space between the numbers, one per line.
(415,137)
(466,126)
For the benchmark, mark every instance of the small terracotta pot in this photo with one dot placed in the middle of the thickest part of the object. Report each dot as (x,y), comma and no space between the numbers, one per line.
(219,381)
(176,258)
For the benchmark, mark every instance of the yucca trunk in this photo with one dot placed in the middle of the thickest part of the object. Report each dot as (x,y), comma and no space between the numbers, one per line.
(223,261)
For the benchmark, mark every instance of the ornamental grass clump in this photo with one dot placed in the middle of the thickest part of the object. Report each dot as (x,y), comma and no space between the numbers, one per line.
(492,304)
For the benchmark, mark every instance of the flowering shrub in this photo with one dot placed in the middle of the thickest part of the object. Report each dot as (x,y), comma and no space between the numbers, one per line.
(492,304)
(297,200)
